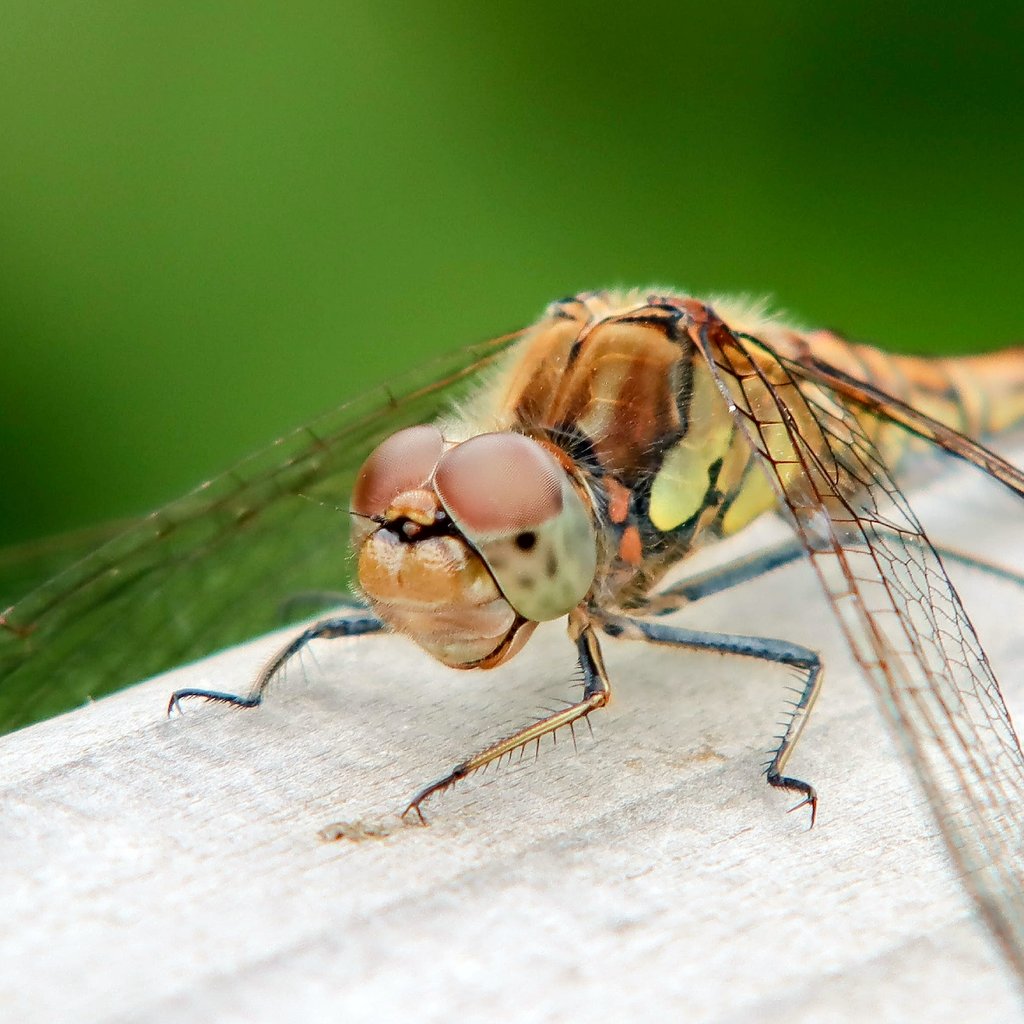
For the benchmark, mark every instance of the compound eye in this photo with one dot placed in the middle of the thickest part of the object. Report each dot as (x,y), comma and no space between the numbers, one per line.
(516,505)
(403,462)
(494,484)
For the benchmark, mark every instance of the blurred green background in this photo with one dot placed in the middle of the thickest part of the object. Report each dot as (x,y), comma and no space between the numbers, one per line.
(219,219)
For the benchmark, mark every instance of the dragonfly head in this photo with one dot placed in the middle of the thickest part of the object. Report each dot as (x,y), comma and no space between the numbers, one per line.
(466,547)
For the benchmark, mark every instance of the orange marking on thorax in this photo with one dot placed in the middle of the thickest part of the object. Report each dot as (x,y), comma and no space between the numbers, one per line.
(631,549)
(618,500)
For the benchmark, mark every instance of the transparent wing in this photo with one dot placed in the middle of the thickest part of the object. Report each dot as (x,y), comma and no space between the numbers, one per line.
(23,567)
(896,605)
(210,569)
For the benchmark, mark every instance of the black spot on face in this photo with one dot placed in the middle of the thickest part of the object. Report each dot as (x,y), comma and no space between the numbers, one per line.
(524,582)
(551,565)
(526,540)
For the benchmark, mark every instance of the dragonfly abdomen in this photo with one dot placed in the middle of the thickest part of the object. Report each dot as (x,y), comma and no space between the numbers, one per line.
(979,396)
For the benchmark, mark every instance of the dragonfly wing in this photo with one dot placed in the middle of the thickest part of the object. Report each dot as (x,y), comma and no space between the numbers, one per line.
(897,608)
(210,569)
(23,567)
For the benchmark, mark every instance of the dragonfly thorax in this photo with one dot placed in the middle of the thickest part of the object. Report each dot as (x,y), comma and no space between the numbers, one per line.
(465,547)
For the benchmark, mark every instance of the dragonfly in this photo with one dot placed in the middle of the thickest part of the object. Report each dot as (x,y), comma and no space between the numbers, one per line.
(563,471)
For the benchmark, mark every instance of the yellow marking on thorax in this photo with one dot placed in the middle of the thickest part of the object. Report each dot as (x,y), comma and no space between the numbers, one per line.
(678,490)
(756,497)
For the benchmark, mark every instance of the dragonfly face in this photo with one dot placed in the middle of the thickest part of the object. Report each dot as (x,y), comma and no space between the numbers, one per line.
(465,548)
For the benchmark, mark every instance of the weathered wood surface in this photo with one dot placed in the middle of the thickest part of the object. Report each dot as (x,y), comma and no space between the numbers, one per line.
(166,871)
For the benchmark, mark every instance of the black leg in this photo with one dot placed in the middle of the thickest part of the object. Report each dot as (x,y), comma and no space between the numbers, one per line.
(723,577)
(325,629)
(781,652)
(748,567)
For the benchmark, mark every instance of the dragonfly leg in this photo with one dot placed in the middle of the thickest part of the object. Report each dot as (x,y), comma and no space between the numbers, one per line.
(325,629)
(981,564)
(749,567)
(596,694)
(722,577)
(781,652)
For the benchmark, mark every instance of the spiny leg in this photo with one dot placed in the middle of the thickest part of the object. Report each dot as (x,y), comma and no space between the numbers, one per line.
(723,577)
(748,567)
(325,629)
(596,694)
(781,652)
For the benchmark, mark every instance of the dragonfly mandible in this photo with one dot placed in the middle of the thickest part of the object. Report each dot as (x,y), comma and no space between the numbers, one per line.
(562,471)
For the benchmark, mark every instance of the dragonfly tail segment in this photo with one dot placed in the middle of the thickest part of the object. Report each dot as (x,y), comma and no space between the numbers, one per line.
(980,396)
(951,403)
(986,390)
